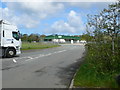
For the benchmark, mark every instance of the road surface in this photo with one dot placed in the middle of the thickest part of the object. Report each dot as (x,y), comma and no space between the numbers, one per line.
(48,68)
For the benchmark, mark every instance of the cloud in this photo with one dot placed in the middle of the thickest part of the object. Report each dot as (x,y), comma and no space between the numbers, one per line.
(81,4)
(88,5)
(62,27)
(73,19)
(0,13)
(73,25)
(30,14)
(38,9)
(22,20)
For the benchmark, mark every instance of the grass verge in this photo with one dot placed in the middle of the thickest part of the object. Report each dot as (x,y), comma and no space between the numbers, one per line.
(99,69)
(29,46)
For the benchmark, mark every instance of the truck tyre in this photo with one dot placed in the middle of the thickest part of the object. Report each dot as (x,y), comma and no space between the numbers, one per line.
(10,53)
(3,53)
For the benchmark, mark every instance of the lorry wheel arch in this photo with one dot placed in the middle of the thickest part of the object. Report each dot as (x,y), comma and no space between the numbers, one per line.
(10,52)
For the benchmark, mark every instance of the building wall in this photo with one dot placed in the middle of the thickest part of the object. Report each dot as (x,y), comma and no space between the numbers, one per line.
(59,40)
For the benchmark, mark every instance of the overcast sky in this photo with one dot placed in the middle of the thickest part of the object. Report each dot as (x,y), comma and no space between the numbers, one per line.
(50,17)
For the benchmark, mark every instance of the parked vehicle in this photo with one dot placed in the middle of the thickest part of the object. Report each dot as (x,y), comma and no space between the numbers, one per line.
(10,42)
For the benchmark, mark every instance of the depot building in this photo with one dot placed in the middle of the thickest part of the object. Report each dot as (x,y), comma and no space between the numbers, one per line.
(62,39)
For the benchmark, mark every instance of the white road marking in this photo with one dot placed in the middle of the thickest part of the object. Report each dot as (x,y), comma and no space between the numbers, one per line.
(49,54)
(30,57)
(45,55)
(14,61)
(55,52)
(75,61)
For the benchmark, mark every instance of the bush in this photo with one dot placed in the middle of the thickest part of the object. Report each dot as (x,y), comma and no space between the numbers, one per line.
(100,66)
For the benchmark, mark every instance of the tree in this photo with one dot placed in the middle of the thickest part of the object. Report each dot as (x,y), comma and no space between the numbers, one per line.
(106,24)
(86,37)
(34,37)
(111,22)
(42,37)
(24,37)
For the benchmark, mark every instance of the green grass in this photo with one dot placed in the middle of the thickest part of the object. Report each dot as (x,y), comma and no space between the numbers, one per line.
(98,70)
(88,77)
(29,46)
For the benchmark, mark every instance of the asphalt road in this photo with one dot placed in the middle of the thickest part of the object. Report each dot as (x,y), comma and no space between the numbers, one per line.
(48,68)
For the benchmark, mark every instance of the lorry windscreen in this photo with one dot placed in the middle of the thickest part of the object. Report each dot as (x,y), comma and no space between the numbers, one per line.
(16,35)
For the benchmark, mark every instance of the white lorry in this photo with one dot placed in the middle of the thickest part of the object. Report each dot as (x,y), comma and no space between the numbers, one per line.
(10,42)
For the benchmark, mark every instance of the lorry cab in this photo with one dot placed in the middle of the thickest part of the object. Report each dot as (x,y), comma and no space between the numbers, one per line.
(10,39)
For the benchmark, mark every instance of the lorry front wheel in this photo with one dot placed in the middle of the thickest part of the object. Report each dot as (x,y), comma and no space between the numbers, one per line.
(3,53)
(10,53)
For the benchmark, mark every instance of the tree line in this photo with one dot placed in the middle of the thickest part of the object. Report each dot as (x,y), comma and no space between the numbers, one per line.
(103,53)
(101,67)
(32,37)
(38,37)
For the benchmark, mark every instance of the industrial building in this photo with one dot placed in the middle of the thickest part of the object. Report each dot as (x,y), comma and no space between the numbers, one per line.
(62,39)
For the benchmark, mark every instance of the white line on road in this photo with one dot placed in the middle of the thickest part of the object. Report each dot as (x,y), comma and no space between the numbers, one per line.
(45,55)
(28,58)
(14,61)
